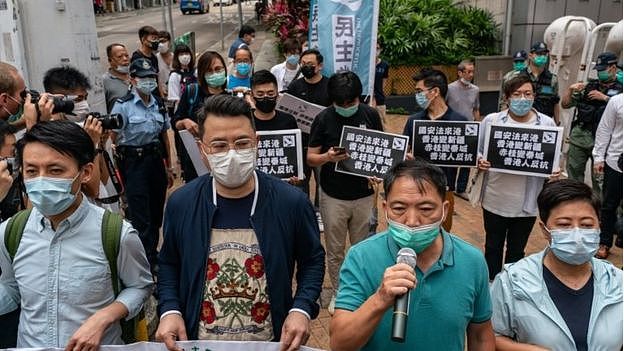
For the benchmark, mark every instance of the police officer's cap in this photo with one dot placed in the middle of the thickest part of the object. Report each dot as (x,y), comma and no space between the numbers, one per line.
(142,68)
(605,60)
(539,47)
(520,56)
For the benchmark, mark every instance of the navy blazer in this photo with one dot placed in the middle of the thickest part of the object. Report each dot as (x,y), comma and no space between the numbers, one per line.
(287,231)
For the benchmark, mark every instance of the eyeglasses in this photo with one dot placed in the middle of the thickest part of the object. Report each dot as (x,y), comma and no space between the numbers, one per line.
(220,146)
(520,94)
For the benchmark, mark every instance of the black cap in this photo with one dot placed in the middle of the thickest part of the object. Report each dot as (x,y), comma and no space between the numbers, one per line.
(604,60)
(539,47)
(519,56)
(142,68)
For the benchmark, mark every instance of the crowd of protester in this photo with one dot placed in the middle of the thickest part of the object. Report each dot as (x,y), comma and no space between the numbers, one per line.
(84,202)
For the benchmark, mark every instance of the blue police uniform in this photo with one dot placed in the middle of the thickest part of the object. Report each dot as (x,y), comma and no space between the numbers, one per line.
(140,155)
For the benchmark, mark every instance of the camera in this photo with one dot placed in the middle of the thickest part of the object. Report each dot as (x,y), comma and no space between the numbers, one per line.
(112,121)
(60,104)
(11,164)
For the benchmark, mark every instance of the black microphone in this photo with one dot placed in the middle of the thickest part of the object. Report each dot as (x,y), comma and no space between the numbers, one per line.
(401,305)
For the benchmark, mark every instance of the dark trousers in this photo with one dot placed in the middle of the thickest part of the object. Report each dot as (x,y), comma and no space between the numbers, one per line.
(304,185)
(451,175)
(188,170)
(8,329)
(611,197)
(145,180)
(515,230)
(462,180)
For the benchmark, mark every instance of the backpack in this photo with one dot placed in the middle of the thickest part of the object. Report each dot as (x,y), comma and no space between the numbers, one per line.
(186,79)
(132,330)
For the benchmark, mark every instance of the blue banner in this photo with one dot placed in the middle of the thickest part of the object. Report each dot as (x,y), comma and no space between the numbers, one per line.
(346,31)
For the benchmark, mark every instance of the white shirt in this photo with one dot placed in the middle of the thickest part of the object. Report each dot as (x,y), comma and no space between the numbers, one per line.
(283,75)
(608,142)
(163,71)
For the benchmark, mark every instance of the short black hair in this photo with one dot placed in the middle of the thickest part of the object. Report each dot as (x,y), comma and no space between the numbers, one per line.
(243,48)
(246,29)
(421,172)
(315,52)
(433,78)
(55,134)
(6,129)
(343,87)
(65,78)
(291,45)
(223,105)
(109,49)
(147,30)
(163,34)
(516,82)
(557,192)
(263,77)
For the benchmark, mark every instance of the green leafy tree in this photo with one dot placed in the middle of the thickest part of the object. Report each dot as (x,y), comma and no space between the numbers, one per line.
(435,32)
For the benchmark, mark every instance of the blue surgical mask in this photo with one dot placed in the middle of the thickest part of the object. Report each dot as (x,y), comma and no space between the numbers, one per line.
(417,238)
(216,79)
(618,76)
(540,60)
(520,107)
(243,68)
(50,196)
(347,111)
(146,85)
(293,60)
(519,66)
(421,100)
(604,75)
(574,246)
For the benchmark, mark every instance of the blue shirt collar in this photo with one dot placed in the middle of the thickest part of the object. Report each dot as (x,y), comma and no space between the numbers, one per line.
(73,220)
(137,99)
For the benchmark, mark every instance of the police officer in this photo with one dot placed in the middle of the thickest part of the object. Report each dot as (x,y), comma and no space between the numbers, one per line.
(590,100)
(545,83)
(519,59)
(143,154)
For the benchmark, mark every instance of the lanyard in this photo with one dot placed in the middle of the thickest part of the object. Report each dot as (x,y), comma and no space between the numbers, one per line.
(255,200)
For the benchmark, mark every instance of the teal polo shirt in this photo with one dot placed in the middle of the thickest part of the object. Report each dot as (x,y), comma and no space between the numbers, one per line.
(451,295)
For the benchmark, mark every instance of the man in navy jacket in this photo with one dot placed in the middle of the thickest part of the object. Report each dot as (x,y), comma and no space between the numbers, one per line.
(231,243)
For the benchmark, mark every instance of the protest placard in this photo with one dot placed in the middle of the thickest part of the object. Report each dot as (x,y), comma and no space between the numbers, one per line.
(371,153)
(446,143)
(205,345)
(280,153)
(526,150)
(193,151)
(303,111)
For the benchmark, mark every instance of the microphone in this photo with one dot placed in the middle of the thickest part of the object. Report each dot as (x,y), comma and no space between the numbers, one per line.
(401,305)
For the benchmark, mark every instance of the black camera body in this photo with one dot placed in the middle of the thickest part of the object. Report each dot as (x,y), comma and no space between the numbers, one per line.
(60,104)
(112,121)
(11,164)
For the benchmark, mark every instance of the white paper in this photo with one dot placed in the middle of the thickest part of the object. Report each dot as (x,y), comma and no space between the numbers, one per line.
(303,111)
(193,151)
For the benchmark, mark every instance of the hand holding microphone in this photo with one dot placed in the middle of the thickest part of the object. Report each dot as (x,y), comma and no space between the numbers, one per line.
(405,256)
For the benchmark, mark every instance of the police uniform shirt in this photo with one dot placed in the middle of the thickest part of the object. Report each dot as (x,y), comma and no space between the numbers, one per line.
(142,124)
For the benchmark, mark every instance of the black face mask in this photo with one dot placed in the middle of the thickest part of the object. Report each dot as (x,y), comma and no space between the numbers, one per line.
(308,71)
(154,44)
(266,104)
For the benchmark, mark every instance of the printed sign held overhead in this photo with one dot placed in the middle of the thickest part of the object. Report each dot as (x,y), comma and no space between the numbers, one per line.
(303,111)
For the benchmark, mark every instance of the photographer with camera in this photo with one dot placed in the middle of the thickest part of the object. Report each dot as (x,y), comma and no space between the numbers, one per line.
(17,106)
(590,100)
(143,154)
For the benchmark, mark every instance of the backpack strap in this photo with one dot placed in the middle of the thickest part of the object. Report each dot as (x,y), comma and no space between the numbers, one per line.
(14,230)
(111,236)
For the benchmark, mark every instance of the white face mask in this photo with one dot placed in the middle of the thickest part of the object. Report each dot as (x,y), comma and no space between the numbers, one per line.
(123,69)
(184,59)
(81,110)
(163,47)
(234,168)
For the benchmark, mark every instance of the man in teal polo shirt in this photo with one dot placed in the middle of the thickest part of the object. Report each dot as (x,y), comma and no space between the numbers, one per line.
(449,300)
